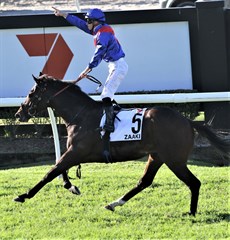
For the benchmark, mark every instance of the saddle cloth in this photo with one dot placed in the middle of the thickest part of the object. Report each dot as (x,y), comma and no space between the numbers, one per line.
(128,125)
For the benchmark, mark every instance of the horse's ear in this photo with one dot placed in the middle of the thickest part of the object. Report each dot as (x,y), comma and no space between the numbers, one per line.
(35,79)
(40,74)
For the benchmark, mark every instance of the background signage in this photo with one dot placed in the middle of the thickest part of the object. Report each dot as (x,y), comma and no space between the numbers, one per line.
(158,55)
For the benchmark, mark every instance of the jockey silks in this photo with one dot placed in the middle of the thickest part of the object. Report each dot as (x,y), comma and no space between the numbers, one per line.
(107,46)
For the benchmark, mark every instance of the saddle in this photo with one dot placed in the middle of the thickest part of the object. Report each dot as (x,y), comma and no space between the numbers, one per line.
(128,127)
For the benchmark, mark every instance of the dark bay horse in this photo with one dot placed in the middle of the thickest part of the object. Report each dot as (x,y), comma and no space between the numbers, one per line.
(167,138)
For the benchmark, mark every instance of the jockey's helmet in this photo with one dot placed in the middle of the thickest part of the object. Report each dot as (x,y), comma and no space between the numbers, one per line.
(95,14)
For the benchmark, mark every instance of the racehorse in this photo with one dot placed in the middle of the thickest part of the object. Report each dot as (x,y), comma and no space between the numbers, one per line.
(167,138)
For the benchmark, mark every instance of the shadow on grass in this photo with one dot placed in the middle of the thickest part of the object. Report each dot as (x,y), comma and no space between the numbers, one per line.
(201,163)
(224,217)
(213,218)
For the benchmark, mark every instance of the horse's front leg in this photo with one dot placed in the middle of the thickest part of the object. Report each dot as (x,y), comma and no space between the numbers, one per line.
(68,185)
(150,171)
(67,160)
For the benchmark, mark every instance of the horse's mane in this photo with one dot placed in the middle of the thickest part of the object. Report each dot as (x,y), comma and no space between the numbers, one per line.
(73,88)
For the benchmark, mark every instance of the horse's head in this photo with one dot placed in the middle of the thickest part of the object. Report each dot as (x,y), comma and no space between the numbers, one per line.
(36,101)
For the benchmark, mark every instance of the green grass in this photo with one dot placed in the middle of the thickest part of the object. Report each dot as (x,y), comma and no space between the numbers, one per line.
(156,213)
(9,121)
(200,117)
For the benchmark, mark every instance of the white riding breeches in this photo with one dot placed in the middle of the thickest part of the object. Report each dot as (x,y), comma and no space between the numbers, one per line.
(117,72)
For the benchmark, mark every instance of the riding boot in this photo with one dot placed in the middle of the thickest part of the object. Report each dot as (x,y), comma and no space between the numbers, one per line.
(109,121)
(108,127)
(109,114)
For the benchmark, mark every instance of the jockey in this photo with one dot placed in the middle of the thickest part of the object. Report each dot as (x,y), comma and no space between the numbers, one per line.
(107,48)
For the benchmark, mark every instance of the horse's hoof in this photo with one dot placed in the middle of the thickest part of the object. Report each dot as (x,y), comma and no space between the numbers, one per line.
(19,199)
(74,190)
(108,207)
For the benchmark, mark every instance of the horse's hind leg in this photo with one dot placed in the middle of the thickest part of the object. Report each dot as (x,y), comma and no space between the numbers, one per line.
(185,175)
(153,164)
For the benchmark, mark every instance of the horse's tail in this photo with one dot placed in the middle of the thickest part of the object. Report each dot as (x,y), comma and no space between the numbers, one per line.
(219,143)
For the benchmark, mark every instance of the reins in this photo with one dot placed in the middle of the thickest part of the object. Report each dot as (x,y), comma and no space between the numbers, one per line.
(95,80)
(62,90)
(89,77)
(92,79)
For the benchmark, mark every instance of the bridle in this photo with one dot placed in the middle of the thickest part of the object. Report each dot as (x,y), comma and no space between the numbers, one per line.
(38,98)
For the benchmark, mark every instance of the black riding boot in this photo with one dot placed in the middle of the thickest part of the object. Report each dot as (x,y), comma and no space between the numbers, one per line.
(109,114)
(109,121)
(108,127)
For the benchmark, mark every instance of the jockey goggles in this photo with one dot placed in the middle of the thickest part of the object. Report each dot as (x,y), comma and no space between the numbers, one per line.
(89,21)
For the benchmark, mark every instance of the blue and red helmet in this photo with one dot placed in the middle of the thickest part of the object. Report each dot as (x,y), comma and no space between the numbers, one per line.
(95,14)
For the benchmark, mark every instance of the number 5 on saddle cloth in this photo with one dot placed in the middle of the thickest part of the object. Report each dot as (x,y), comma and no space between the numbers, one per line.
(128,127)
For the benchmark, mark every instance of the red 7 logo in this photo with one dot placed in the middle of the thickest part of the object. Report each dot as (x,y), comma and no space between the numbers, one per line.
(52,45)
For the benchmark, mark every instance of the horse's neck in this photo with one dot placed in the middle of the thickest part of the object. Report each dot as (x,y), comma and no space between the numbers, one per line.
(73,107)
